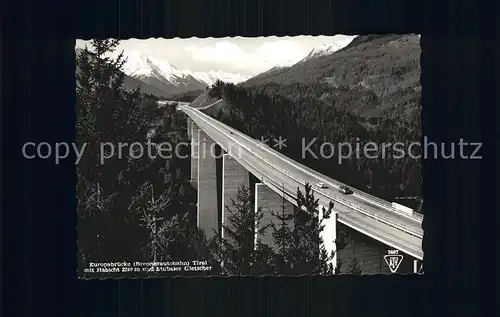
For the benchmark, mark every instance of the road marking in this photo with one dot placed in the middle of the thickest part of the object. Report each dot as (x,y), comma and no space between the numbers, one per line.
(339,200)
(363,196)
(283,171)
(362,228)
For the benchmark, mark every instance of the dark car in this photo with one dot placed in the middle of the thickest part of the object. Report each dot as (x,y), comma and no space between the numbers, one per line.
(345,190)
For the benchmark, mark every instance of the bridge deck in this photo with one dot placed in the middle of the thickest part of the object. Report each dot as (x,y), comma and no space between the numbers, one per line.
(360,211)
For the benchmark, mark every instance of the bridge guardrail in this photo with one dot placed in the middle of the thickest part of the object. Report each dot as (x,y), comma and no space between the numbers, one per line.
(346,203)
(365,196)
(352,206)
(415,215)
(410,248)
(419,216)
(397,242)
(340,200)
(378,201)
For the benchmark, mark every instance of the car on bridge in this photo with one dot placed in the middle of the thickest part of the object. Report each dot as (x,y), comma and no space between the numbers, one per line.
(345,190)
(321,185)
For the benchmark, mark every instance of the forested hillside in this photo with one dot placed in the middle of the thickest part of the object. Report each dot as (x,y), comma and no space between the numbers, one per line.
(371,76)
(300,117)
(367,91)
(185,96)
(274,71)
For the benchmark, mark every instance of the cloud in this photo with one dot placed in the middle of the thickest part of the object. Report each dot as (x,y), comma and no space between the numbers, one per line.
(260,58)
(223,51)
(281,51)
(245,56)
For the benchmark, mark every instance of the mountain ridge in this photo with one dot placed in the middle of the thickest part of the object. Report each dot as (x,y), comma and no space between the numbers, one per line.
(373,76)
(142,65)
(131,83)
(159,73)
(327,49)
(158,77)
(374,72)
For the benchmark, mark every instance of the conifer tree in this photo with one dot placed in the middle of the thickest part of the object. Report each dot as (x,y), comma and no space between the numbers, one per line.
(92,210)
(105,113)
(238,251)
(300,246)
(152,209)
(311,255)
(118,213)
(282,233)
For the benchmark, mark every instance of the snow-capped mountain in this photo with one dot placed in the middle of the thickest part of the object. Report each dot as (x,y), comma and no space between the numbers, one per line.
(166,77)
(328,49)
(283,64)
(211,77)
(139,64)
(159,73)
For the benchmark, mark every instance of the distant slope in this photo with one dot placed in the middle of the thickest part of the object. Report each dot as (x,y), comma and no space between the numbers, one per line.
(270,73)
(204,100)
(209,97)
(383,68)
(362,39)
(211,77)
(188,96)
(131,83)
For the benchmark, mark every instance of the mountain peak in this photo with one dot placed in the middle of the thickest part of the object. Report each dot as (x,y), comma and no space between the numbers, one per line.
(158,72)
(139,64)
(328,49)
(135,55)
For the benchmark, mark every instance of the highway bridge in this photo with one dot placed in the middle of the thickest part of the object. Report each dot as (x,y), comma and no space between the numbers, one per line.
(280,177)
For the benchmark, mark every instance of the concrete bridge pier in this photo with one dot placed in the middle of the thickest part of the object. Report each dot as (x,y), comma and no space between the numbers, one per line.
(189,123)
(194,134)
(208,196)
(234,175)
(268,200)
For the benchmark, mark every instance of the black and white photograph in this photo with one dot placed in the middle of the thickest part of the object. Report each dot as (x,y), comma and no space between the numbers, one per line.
(261,156)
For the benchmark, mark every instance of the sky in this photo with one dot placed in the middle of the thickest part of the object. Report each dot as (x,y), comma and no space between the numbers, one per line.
(245,56)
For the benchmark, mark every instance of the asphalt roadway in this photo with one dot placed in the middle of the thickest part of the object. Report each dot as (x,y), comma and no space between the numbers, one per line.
(360,211)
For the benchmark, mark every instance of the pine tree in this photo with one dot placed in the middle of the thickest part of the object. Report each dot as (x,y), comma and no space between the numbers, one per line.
(103,109)
(152,210)
(106,112)
(282,235)
(92,210)
(109,227)
(299,245)
(239,252)
(310,255)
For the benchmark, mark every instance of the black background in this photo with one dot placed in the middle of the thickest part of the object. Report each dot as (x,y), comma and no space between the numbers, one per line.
(38,197)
